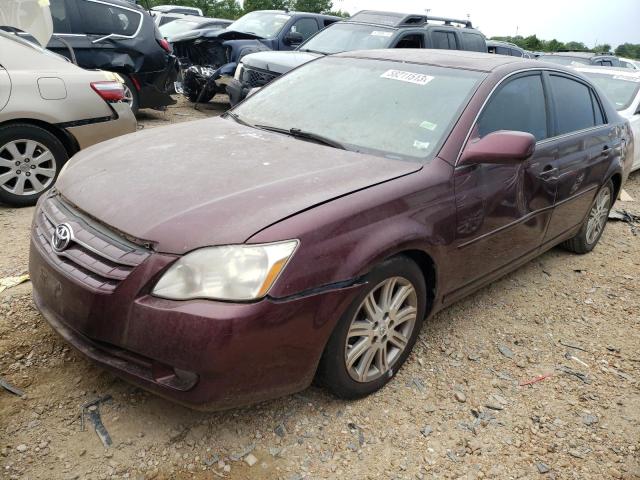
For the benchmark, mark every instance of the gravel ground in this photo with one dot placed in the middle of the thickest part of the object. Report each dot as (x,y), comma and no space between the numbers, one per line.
(457,409)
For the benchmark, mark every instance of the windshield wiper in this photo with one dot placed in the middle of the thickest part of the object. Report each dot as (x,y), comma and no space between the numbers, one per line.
(312,51)
(237,118)
(297,133)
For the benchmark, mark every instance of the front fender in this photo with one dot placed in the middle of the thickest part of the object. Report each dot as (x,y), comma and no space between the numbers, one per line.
(345,238)
(237,49)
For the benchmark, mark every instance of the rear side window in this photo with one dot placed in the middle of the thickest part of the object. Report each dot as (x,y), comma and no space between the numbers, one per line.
(305,26)
(103,19)
(60,17)
(574,105)
(516,53)
(473,42)
(519,105)
(413,40)
(503,51)
(444,40)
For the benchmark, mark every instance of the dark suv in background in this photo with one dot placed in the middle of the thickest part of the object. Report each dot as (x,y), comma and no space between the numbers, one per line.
(365,30)
(208,57)
(118,36)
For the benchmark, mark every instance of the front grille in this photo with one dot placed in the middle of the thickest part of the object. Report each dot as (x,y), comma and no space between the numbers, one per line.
(256,78)
(96,257)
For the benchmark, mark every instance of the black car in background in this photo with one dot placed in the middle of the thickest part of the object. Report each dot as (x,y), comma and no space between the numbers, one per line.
(208,57)
(366,30)
(121,37)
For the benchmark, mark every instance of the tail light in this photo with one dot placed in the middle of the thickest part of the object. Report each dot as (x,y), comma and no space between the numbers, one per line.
(164,44)
(110,91)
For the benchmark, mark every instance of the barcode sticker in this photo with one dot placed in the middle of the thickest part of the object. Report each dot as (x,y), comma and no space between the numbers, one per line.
(410,77)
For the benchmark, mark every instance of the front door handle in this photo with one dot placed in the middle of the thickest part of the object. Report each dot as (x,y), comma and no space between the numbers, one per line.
(606,150)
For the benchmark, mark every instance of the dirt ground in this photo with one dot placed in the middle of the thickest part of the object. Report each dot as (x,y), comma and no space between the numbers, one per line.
(457,409)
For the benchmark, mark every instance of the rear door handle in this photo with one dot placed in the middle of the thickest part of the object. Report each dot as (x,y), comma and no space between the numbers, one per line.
(548,172)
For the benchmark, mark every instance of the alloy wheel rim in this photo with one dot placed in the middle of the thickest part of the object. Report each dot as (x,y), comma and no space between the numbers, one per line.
(127,96)
(27,167)
(380,329)
(598,216)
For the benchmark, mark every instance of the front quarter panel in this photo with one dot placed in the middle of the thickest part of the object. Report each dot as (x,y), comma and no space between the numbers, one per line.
(344,239)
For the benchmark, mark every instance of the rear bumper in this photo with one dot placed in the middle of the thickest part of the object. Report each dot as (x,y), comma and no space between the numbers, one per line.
(156,87)
(123,122)
(204,354)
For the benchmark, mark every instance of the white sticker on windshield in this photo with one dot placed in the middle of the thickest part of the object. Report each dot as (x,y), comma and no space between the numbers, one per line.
(628,79)
(421,145)
(429,125)
(378,33)
(417,78)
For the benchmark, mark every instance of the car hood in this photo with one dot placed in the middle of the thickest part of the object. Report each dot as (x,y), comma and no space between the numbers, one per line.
(212,182)
(279,62)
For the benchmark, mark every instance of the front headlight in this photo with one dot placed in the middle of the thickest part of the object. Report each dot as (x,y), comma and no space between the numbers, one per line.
(233,272)
(238,74)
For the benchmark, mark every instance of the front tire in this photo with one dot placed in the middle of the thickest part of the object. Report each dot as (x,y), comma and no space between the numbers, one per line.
(376,334)
(30,160)
(595,223)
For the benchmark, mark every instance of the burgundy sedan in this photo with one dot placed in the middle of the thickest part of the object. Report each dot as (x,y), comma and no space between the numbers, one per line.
(310,231)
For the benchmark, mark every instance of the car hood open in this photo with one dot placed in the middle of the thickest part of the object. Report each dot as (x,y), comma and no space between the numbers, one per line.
(279,62)
(212,182)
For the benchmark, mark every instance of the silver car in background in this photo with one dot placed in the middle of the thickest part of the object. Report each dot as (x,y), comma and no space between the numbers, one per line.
(622,87)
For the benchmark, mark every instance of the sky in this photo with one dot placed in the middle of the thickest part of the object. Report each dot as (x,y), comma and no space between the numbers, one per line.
(589,21)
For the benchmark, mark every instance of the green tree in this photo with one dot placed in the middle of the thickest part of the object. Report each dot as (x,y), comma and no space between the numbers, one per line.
(532,43)
(251,5)
(338,13)
(628,50)
(604,48)
(553,46)
(576,46)
(313,6)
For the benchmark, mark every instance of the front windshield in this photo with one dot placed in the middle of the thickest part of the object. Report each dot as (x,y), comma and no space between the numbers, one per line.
(619,89)
(564,60)
(397,110)
(346,37)
(261,24)
(178,26)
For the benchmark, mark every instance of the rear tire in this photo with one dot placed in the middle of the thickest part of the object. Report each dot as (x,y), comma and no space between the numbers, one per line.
(131,94)
(376,334)
(593,227)
(30,160)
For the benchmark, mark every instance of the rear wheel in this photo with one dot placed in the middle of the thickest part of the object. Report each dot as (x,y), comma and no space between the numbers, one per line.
(131,95)
(377,332)
(595,223)
(30,160)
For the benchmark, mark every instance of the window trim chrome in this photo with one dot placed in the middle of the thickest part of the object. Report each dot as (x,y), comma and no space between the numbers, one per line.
(525,70)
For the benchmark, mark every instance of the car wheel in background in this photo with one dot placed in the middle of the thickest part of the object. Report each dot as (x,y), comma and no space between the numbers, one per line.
(131,95)
(30,160)
(377,332)
(595,223)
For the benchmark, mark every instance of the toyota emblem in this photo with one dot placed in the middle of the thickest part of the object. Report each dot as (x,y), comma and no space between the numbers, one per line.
(61,237)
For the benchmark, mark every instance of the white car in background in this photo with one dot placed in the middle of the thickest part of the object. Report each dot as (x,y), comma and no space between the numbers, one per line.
(622,87)
(628,63)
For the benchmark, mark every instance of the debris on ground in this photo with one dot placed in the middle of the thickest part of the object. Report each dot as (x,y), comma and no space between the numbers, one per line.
(10,388)
(537,379)
(90,409)
(9,282)
(627,217)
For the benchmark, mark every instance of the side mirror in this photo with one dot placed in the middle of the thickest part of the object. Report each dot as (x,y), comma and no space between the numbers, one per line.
(504,146)
(293,38)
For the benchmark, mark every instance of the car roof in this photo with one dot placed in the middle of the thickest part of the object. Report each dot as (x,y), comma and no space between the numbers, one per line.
(619,71)
(199,19)
(576,54)
(399,20)
(294,13)
(484,62)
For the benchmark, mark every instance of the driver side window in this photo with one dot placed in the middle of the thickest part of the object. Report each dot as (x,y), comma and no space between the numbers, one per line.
(519,105)
(306,27)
